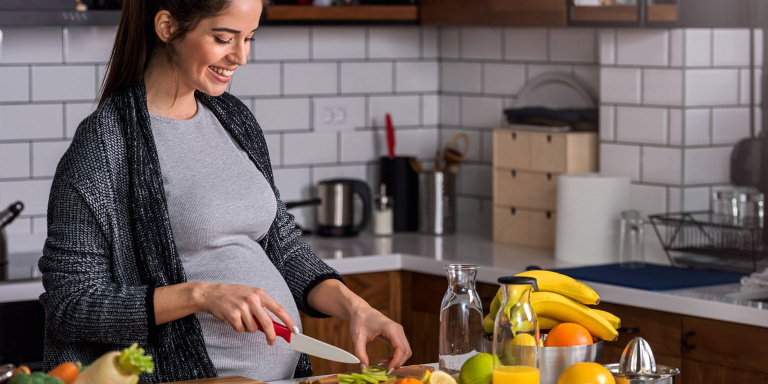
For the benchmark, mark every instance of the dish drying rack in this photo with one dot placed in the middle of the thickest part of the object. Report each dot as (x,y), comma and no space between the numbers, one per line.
(694,239)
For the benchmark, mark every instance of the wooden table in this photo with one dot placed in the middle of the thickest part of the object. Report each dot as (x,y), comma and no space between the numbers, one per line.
(416,371)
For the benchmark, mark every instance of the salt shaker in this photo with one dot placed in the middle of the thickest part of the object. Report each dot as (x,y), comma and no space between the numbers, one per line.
(382,213)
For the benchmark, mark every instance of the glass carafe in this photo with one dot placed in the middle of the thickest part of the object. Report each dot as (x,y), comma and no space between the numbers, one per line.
(516,334)
(461,318)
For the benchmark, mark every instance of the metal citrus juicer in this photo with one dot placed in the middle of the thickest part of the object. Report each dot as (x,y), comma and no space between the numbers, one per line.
(638,366)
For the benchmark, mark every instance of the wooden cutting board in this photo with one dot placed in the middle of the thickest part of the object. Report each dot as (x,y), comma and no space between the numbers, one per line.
(416,371)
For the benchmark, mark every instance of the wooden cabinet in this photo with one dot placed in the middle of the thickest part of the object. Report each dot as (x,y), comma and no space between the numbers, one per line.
(366,13)
(642,13)
(493,12)
(526,165)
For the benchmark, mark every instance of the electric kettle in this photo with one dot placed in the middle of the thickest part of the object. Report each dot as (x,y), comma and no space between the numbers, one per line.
(335,211)
(6,217)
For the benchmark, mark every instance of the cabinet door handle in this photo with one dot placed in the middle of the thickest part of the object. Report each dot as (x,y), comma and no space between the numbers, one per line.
(685,340)
(549,138)
(514,173)
(514,135)
(629,330)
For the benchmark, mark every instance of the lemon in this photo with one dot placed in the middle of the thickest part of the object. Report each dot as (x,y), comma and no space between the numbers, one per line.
(478,369)
(425,377)
(524,339)
(440,377)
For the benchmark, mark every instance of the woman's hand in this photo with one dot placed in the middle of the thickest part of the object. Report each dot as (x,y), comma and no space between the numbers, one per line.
(237,305)
(367,324)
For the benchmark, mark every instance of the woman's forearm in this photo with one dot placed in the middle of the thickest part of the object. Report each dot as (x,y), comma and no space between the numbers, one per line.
(344,303)
(173,302)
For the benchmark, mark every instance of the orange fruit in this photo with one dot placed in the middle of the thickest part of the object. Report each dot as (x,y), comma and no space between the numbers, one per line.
(586,373)
(408,380)
(568,335)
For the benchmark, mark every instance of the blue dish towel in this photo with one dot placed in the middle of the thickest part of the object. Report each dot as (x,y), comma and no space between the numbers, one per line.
(652,277)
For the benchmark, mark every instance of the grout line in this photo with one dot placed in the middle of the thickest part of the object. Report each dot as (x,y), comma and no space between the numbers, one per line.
(31,157)
(712,47)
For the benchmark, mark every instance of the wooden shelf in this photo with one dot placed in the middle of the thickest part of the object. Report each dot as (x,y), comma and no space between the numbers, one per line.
(662,13)
(613,13)
(396,13)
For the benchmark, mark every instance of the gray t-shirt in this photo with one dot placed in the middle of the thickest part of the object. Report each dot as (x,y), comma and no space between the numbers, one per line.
(220,205)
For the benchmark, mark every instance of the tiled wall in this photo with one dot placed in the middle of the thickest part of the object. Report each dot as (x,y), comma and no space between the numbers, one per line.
(673,104)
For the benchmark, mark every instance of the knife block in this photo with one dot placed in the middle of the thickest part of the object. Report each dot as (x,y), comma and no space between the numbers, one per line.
(403,186)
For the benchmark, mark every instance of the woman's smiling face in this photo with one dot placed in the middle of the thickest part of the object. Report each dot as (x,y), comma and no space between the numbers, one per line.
(208,55)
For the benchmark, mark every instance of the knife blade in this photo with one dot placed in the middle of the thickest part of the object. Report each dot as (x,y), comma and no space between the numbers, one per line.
(305,344)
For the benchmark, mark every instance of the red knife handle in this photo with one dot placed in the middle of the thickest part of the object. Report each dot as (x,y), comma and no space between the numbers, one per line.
(280,330)
(390,136)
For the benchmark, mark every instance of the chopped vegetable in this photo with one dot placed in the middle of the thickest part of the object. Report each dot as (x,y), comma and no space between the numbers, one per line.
(34,378)
(67,372)
(117,367)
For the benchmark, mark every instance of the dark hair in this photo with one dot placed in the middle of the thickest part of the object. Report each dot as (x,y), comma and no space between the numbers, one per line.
(136,39)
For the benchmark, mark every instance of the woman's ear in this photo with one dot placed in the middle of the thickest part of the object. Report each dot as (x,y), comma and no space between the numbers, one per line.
(164,25)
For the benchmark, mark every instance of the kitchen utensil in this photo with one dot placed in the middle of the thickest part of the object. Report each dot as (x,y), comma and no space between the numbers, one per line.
(310,346)
(437,202)
(416,165)
(436,168)
(402,183)
(335,213)
(638,366)
(453,156)
(390,136)
(6,217)
(632,239)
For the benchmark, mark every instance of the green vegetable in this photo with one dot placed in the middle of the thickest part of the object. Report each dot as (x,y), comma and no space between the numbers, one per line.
(34,378)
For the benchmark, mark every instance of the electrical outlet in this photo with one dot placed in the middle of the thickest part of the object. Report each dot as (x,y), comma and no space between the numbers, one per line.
(338,113)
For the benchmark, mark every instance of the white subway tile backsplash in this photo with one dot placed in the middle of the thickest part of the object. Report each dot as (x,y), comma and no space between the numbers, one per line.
(675,199)
(662,165)
(696,199)
(46,156)
(711,87)
(649,199)
(476,180)
(607,122)
(731,47)
(338,43)
(607,42)
(320,173)
(676,127)
(698,47)
(759,43)
(589,77)
(293,183)
(698,123)
(393,43)
(34,194)
(429,43)
(473,145)
(310,148)
(620,160)
(39,226)
(485,112)
(663,87)
(707,165)
(260,79)
(430,110)
(405,110)
(77,82)
(460,77)
(744,75)
(643,47)
(338,113)
(620,85)
(540,69)
(676,50)
(416,76)
(421,143)
(641,125)
(21,226)
(282,114)
(573,45)
(280,43)
(481,43)
(362,146)
(366,77)
(88,44)
(525,44)
(310,78)
(449,43)
(30,122)
(75,113)
(31,45)
(275,147)
(729,125)
(16,154)
(504,79)
(449,110)
(14,83)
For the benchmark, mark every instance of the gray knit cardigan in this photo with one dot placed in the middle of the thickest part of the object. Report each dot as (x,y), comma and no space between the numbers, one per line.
(110,244)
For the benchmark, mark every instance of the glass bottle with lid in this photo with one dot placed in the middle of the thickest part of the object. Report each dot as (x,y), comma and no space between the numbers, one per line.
(516,334)
(461,319)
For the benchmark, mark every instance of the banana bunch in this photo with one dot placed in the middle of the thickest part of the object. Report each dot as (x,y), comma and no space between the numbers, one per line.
(560,299)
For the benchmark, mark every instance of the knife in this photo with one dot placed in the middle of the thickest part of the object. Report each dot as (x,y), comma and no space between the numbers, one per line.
(310,346)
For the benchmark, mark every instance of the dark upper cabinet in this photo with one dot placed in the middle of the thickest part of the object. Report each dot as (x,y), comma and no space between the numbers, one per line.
(494,12)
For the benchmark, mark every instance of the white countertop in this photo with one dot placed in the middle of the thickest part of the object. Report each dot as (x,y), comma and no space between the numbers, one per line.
(428,254)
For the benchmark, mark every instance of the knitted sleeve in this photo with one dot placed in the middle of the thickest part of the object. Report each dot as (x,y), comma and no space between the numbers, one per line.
(81,300)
